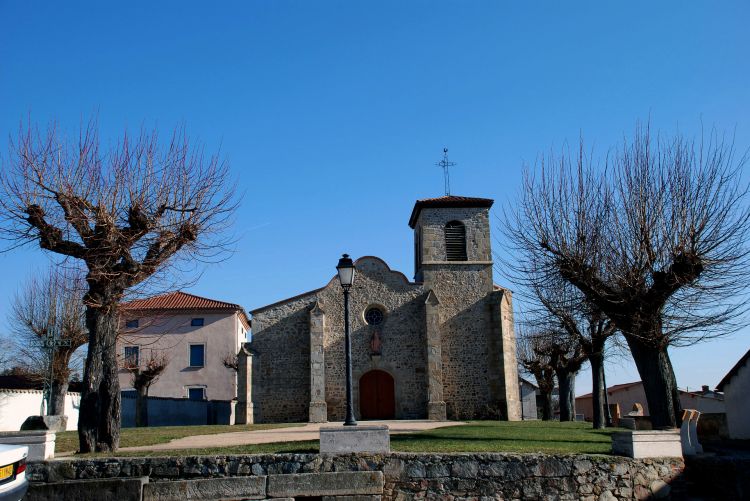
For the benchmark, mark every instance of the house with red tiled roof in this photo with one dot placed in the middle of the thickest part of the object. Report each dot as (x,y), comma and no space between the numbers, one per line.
(630,396)
(193,334)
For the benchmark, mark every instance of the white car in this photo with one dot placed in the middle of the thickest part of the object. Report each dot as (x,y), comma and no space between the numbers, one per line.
(13,482)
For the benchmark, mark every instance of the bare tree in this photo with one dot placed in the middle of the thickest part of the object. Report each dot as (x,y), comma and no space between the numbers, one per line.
(230,361)
(45,307)
(144,374)
(5,360)
(125,213)
(655,238)
(566,357)
(559,352)
(534,359)
(586,332)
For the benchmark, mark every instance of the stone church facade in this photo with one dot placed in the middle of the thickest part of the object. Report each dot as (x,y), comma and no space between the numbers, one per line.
(441,346)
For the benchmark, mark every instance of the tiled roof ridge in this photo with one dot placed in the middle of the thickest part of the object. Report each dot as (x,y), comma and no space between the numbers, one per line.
(733,371)
(455,198)
(162,301)
(447,201)
(614,387)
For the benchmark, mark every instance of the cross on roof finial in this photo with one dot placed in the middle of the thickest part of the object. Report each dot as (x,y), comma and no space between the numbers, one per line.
(445,164)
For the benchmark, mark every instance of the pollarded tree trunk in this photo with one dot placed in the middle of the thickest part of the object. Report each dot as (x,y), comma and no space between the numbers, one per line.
(99,415)
(141,407)
(566,384)
(57,397)
(596,359)
(659,382)
(546,405)
(59,383)
(545,381)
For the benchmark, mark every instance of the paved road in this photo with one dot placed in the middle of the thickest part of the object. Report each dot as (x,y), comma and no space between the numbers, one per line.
(309,431)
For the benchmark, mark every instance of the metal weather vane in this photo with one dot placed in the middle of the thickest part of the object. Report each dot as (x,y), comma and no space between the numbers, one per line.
(446,164)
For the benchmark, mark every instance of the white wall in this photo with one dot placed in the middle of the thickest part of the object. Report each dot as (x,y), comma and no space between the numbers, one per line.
(528,400)
(702,404)
(738,404)
(17,405)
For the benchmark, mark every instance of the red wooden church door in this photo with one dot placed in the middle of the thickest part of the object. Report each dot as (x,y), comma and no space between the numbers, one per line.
(376,396)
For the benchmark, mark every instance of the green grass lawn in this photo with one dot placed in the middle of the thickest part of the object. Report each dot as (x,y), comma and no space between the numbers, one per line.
(478,436)
(504,436)
(131,437)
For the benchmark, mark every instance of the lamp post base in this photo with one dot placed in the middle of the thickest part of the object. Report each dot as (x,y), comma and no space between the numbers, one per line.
(347,439)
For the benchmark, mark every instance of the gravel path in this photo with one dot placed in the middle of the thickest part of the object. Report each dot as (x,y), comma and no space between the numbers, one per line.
(309,431)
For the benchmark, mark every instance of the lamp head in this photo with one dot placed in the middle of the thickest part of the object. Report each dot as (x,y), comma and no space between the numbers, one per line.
(345,270)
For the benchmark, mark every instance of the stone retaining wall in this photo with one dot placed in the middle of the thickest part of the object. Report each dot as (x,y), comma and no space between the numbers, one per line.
(411,476)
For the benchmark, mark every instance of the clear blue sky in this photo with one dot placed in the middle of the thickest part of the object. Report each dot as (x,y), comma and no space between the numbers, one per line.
(332,114)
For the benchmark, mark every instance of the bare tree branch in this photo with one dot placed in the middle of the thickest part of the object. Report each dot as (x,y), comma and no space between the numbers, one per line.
(127,214)
(145,372)
(52,305)
(654,236)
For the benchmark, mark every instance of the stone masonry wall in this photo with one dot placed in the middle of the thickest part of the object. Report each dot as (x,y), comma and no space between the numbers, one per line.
(415,476)
(465,328)
(474,362)
(402,335)
(432,223)
(281,362)
(281,340)
(476,345)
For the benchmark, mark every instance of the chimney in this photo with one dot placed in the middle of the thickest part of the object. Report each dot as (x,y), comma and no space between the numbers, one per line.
(705,388)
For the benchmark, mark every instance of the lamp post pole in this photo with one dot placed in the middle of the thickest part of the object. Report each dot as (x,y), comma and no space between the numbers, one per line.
(350,421)
(345,270)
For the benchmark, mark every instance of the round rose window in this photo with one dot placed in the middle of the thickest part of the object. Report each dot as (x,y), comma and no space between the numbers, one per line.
(374,316)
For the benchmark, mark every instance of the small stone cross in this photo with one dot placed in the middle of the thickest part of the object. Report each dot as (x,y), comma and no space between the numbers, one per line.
(50,343)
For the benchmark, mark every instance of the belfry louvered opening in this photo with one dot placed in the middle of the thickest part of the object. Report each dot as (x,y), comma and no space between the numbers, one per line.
(455,241)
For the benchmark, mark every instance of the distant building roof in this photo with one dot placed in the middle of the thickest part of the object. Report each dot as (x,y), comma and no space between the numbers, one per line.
(705,392)
(742,361)
(447,201)
(526,381)
(181,301)
(626,386)
(614,388)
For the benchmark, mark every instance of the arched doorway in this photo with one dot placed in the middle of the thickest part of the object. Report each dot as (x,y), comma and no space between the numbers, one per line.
(376,395)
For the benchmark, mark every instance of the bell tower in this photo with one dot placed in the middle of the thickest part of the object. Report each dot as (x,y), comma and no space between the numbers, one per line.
(452,233)
(469,321)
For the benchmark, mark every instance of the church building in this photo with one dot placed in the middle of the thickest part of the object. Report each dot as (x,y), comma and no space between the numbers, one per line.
(439,347)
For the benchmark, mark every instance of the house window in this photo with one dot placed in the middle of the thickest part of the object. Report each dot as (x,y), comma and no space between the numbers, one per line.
(197,355)
(197,393)
(196,322)
(455,241)
(132,355)
(132,324)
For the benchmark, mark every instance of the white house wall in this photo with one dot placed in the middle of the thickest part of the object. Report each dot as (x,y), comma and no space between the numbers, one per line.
(736,394)
(172,334)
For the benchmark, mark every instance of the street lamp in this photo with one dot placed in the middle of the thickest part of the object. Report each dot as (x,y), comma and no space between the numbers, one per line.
(345,270)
